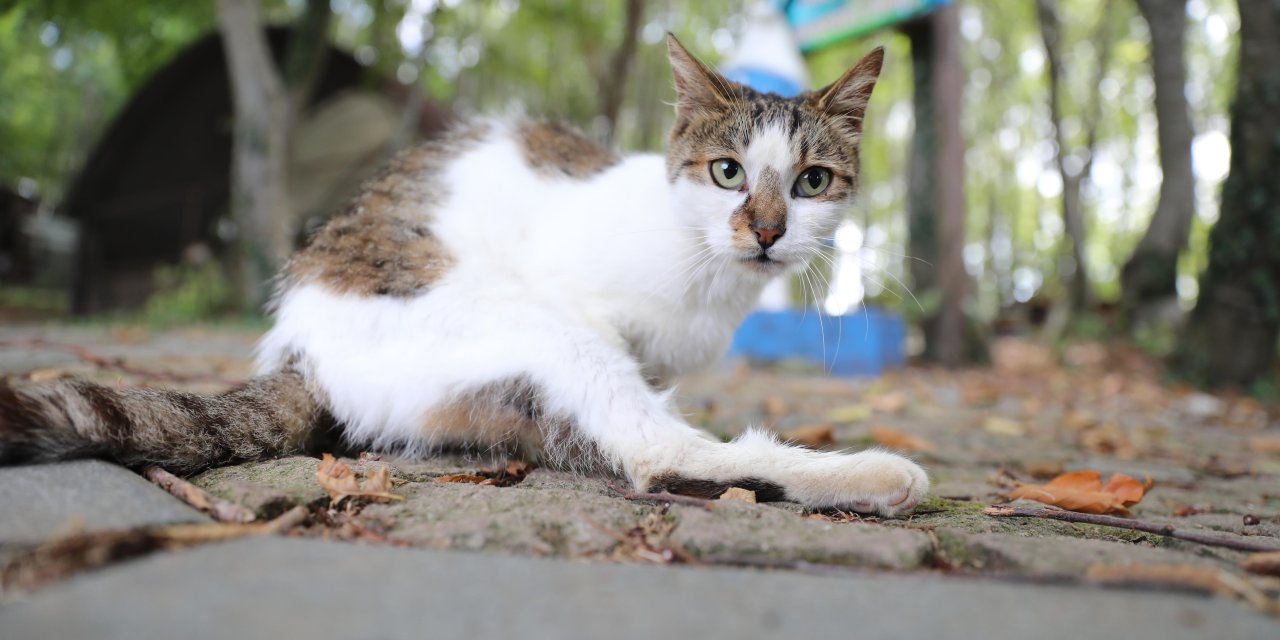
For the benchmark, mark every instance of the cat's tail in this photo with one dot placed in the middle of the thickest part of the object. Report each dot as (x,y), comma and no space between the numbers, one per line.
(183,432)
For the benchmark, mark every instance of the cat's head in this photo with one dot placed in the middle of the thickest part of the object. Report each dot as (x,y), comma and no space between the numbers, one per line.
(765,179)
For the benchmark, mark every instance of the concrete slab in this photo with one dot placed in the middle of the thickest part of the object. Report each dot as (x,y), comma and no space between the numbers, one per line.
(293,588)
(41,501)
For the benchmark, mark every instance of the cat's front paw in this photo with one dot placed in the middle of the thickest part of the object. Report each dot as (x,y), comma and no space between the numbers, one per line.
(877,482)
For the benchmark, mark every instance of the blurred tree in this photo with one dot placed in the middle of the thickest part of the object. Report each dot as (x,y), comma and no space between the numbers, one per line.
(1150,275)
(614,82)
(267,100)
(1231,338)
(1074,164)
(936,198)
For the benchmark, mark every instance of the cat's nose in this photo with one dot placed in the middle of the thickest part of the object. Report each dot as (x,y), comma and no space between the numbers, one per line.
(766,235)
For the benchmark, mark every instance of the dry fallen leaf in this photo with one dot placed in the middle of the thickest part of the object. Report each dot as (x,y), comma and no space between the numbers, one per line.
(893,402)
(47,375)
(774,407)
(895,439)
(1265,444)
(1267,563)
(849,413)
(512,474)
(1199,578)
(816,436)
(1189,510)
(1043,468)
(1003,426)
(739,494)
(339,481)
(463,478)
(1083,491)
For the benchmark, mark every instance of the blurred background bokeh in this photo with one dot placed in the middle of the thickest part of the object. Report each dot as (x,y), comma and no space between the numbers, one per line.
(1096,140)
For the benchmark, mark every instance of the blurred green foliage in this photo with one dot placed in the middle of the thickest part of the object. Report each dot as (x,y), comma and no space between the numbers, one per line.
(71,64)
(189,294)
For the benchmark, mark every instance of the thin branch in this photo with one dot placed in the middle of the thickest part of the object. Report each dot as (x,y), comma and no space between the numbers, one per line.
(63,557)
(113,364)
(1239,543)
(221,510)
(662,497)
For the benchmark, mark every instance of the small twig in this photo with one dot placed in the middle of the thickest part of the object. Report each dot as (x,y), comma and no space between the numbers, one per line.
(1240,543)
(113,364)
(221,510)
(63,557)
(662,497)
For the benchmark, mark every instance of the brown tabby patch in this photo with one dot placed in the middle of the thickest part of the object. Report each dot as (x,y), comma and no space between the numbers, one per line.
(381,243)
(510,417)
(181,431)
(765,206)
(673,483)
(555,149)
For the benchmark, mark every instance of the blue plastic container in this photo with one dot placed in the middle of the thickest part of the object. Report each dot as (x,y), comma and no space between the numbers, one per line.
(865,343)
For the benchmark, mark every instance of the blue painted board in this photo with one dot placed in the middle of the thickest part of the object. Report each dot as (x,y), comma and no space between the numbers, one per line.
(865,343)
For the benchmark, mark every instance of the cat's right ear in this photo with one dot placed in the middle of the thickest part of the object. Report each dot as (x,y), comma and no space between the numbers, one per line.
(698,88)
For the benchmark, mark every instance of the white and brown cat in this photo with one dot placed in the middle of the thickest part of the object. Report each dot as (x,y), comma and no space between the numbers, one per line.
(516,284)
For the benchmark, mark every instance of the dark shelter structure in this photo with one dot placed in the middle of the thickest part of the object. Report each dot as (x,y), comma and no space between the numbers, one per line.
(158,181)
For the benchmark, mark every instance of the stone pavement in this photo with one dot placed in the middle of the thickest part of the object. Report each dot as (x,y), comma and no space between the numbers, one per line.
(277,588)
(983,431)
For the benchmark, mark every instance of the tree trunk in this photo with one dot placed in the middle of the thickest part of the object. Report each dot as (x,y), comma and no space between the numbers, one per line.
(614,85)
(1231,336)
(936,198)
(1149,277)
(266,108)
(259,192)
(1076,277)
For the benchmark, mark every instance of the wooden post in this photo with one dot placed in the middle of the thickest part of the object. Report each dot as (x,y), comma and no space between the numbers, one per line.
(937,204)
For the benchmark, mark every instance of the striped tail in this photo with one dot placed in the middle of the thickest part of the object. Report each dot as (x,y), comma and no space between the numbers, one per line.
(183,432)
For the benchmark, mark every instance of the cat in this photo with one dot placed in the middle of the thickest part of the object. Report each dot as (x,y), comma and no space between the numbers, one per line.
(514,284)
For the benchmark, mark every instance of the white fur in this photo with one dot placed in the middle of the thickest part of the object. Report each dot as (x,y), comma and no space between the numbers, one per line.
(582,286)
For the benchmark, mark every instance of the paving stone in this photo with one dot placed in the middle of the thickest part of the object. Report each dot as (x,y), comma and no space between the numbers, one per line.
(40,501)
(288,588)
(763,532)
(268,488)
(550,513)
(1060,556)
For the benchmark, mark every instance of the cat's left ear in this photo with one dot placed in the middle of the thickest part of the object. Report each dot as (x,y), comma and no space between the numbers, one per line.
(848,97)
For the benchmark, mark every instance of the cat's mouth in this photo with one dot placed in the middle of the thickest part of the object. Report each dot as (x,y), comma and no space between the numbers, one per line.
(762,262)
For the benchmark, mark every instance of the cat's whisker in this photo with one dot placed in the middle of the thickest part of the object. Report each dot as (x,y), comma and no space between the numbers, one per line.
(685,267)
(886,252)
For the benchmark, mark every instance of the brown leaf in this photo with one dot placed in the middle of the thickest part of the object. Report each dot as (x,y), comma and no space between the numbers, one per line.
(512,474)
(849,413)
(893,402)
(816,436)
(1129,491)
(463,478)
(1003,426)
(1083,491)
(1189,510)
(1199,578)
(1267,563)
(47,375)
(339,481)
(739,494)
(1265,444)
(895,439)
(774,407)
(1043,468)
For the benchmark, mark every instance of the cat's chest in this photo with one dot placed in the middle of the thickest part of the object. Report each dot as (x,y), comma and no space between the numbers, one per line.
(670,340)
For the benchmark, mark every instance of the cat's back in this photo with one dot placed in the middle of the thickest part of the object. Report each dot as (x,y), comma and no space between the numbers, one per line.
(489,187)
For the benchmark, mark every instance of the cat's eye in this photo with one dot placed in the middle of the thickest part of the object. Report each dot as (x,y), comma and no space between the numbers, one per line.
(812,182)
(727,173)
